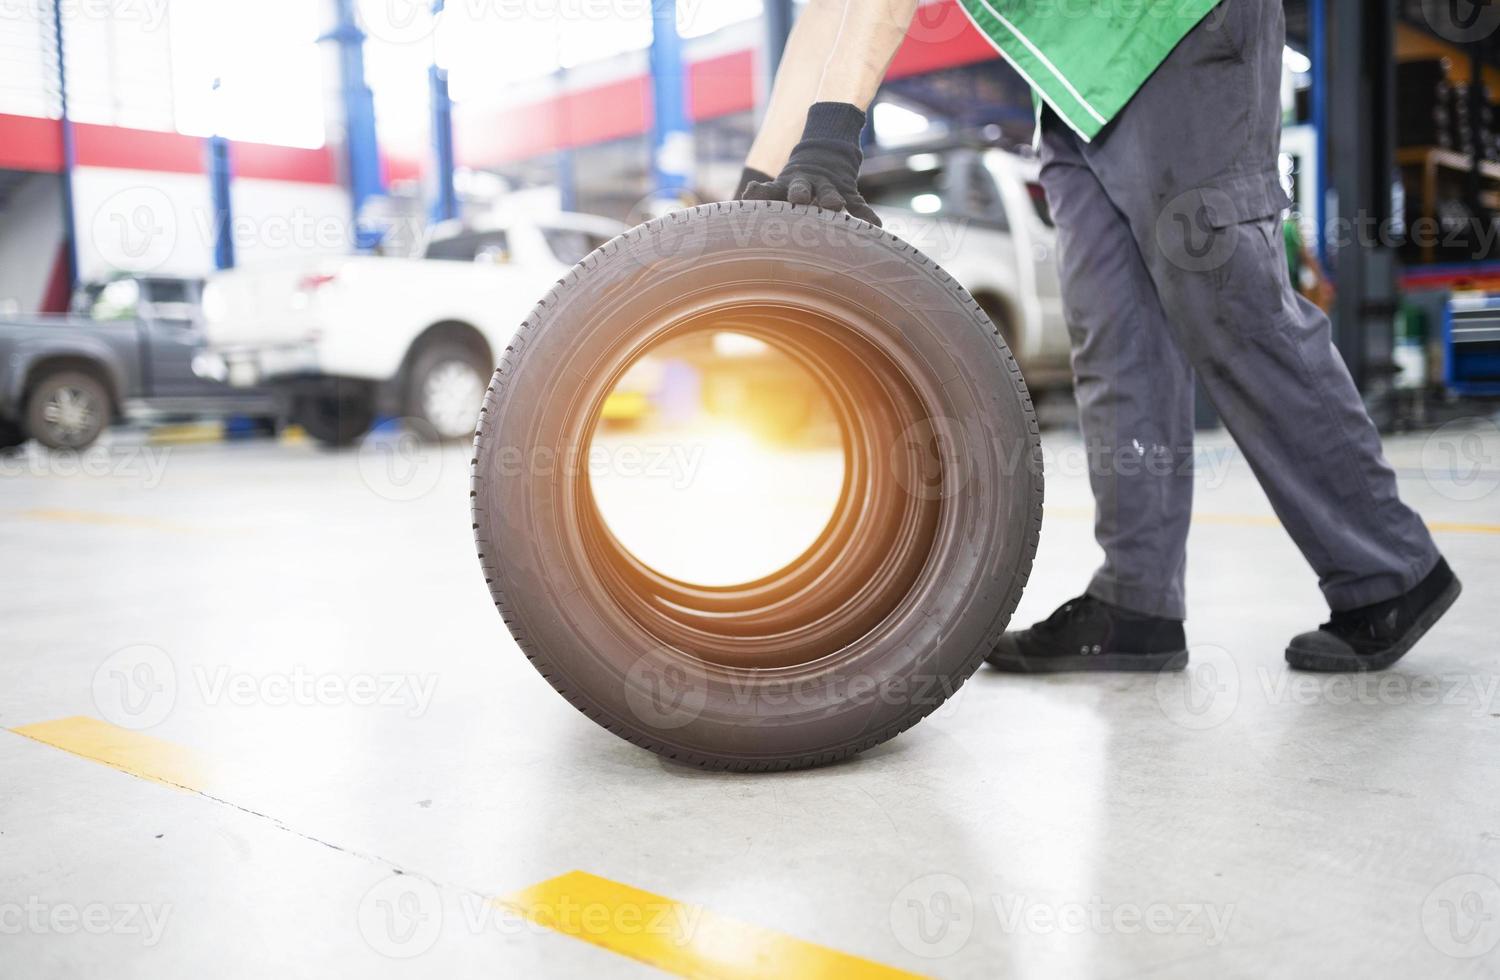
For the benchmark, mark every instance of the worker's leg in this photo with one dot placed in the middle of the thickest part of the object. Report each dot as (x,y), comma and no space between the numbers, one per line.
(1134,389)
(1192,162)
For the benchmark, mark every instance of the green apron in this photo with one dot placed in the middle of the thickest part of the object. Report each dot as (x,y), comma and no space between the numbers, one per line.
(1086,58)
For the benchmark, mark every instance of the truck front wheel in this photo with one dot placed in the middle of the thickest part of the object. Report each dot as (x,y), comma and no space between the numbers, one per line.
(335,413)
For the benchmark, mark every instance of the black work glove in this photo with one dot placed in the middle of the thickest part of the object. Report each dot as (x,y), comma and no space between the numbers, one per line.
(749,176)
(824,166)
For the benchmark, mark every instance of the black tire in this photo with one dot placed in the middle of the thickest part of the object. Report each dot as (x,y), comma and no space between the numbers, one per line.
(67,409)
(905,592)
(447,412)
(336,413)
(11,434)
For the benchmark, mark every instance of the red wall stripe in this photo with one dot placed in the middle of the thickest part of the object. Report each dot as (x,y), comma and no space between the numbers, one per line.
(29,143)
(720,86)
(940,37)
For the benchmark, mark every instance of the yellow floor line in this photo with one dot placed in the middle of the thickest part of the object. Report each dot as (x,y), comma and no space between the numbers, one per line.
(186,433)
(122,749)
(66,516)
(685,940)
(1270,520)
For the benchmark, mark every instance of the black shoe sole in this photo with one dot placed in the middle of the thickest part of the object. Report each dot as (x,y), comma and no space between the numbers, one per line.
(1328,663)
(1015,663)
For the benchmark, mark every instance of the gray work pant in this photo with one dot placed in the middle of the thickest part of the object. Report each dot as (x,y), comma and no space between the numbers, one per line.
(1173,261)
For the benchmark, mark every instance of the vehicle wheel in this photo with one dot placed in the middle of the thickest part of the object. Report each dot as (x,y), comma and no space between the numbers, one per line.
(446,388)
(67,410)
(11,434)
(337,414)
(904,592)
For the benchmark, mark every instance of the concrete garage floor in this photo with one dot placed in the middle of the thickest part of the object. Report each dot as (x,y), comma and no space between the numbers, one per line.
(252,599)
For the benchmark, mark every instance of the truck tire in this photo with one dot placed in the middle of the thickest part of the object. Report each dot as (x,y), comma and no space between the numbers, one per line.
(335,413)
(909,586)
(67,409)
(445,388)
(11,434)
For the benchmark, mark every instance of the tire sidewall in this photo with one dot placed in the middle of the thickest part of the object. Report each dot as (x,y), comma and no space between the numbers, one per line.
(923,652)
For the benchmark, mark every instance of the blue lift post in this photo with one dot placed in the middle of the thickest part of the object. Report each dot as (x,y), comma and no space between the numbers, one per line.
(445,199)
(219,178)
(1317,46)
(69,156)
(672,140)
(361,145)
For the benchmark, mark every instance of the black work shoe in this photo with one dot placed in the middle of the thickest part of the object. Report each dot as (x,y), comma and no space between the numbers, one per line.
(1090,634)
(1374,637)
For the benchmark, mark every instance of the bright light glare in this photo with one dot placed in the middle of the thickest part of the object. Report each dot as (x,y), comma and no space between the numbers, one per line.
(927,204)
(715,469)
(894,122)
(729,344)
(266,55)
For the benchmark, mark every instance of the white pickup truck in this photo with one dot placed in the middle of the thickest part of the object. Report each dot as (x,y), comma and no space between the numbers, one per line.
(343,340)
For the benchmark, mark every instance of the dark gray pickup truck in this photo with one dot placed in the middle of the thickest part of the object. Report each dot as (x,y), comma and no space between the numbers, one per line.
(126,351)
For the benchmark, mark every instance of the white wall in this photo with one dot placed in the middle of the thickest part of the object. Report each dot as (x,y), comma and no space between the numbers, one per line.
(143,221)
(31,232)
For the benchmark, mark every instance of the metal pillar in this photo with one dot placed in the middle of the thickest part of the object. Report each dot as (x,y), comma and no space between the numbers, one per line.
(219,177)
(361,146)
(1317,46)
(1361,142)
(445,198)
(69,154)
(778,29)
(672,139)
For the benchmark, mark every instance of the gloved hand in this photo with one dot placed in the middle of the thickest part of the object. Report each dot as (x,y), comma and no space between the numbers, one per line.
(749,176)
(824,166)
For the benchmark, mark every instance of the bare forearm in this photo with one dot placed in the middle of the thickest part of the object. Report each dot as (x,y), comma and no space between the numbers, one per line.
(869,35)
(813,36)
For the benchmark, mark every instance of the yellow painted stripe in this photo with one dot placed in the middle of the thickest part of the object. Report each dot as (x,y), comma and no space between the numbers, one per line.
(686,940)
(120,748)
(1270,520)
(186,433)
(66,516)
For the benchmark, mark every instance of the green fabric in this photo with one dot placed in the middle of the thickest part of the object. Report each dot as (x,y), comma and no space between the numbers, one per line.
(1086,58)
(1293,236)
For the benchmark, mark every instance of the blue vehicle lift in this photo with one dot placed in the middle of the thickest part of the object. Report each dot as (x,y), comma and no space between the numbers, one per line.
(361,145)
(672,137)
